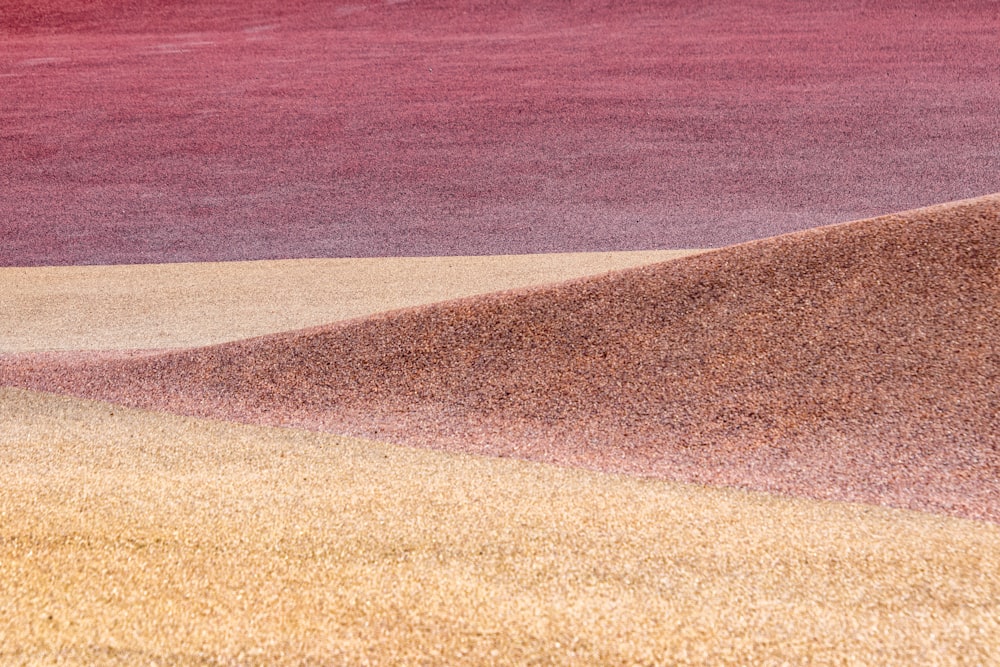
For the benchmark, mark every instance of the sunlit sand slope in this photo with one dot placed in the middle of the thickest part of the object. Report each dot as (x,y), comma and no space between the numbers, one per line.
(184,305)
(854,362)
(132,537)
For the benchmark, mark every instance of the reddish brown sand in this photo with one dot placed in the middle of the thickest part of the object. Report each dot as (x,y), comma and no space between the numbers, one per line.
(854,362)
(159,306)
(147,131)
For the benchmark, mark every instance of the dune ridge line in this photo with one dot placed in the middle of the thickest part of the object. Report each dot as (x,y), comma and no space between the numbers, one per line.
(851,362)
(155,306)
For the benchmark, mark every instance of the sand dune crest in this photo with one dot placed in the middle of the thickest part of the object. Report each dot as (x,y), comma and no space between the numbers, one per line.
(850,362)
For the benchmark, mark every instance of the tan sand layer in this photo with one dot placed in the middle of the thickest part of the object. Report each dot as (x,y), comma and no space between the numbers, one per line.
(185,305)
(856,362)
(132,537)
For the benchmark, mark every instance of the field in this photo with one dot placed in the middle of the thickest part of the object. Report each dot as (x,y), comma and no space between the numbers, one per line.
(554,333)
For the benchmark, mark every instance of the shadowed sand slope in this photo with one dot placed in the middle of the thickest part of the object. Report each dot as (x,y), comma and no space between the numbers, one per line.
(128,537)
(855,362)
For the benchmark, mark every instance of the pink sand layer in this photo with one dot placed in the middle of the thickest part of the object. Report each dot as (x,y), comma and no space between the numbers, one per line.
(855,362)
(151,132)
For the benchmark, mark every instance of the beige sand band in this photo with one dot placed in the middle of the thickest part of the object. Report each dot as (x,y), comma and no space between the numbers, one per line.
(149,306)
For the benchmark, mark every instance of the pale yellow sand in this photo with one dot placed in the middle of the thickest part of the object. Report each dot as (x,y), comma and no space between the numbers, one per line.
(181,305)
(129,537)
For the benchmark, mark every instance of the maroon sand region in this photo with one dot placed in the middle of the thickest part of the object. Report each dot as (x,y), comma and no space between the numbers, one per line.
(151,131)
(854,362)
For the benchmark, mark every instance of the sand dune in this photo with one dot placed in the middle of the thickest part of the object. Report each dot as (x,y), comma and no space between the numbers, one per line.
(135,538)
(859,362)
(146,306)
(852,362)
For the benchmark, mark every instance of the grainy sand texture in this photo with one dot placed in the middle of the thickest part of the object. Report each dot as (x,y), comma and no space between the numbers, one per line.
(361,332)
(129,537)
(856,362)
(147,306)
(209,130)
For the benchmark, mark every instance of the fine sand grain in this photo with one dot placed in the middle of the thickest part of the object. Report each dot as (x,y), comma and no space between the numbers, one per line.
(128,537)
(207,130)
(855,362)
(150,306)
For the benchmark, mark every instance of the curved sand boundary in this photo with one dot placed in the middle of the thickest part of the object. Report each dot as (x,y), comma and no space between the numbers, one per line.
(851,362)
(147,306)
(132,537)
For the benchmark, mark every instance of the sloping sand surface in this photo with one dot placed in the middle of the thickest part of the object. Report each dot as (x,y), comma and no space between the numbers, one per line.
(131,537)
(150,306)
(854,362)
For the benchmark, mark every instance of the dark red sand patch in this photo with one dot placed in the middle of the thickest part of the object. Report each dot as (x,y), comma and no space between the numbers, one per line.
(856,362)
(176,131)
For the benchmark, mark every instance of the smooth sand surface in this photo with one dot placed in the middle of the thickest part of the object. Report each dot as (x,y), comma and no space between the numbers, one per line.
(150,306)
(854,362)
(128,537)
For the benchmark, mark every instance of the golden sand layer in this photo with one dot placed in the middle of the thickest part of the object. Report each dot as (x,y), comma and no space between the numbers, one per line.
(855,362)
(184,305)
(130,537)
